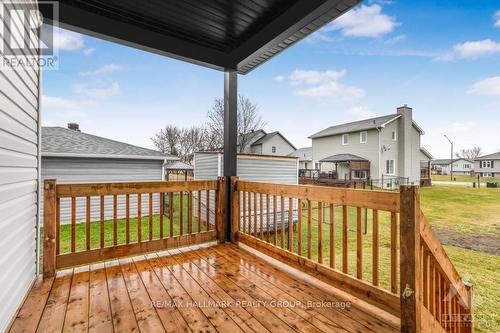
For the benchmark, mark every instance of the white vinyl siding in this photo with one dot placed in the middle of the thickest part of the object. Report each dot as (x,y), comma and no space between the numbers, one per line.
(19,127)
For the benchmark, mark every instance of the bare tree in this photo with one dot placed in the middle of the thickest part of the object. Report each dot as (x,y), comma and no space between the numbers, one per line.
(470,154)
(193,140)
(249,120)
(168,140)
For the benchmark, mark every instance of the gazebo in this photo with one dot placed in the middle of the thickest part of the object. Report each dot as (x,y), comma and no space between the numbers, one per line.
(352,166)
(178,170)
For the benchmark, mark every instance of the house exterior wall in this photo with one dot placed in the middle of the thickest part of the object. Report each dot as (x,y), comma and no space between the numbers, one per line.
(19,145)
(389,150)
(331,145)
(481,170)
(283,148)
(459,168)
(93,170)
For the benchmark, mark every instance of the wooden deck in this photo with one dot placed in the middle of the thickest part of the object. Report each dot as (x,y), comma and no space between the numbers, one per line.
(219,288)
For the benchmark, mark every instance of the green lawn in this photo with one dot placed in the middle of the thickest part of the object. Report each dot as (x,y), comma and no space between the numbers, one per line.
(467,179)
(464,210)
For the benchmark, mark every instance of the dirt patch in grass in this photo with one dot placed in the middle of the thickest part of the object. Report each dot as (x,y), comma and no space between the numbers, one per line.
(476,242)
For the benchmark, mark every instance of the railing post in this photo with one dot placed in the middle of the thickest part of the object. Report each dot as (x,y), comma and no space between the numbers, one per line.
(410,272)
(49,228)
(221,210)
(235,211)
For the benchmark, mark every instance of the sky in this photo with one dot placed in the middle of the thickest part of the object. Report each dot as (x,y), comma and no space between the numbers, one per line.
(442,58)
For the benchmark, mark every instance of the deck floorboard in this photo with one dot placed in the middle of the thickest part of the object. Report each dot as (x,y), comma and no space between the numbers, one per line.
(221,288)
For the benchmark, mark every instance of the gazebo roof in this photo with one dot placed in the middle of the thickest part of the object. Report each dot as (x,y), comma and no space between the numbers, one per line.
(344,158)
(179,166)
(224,34)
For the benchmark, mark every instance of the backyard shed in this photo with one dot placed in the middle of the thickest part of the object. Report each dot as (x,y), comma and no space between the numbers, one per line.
(70,156)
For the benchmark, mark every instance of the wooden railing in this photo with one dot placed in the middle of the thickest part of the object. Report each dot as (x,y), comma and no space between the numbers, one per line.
(396,263)
(85,223)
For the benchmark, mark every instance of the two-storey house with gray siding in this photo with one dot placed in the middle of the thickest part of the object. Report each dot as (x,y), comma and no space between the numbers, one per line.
(488,165)
(386,147)
(262,143)
(461,166)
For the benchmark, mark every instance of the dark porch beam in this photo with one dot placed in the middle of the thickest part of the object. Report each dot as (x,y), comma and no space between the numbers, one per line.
(83,21)
(230,140)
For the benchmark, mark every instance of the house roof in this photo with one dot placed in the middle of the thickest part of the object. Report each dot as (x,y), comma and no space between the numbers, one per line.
(234,34)
(304,154)
(251,137)
(494,156)
(269,136)
(360,125)
(426,153)
(343,158)
(64,142)
(179,166)
(446,161)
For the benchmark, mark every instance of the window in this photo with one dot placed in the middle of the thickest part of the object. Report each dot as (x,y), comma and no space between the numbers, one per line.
(389,167)
(394,136)
(363,137)
(359,174)
(487,174)
(486,164)
(273,149)
(345,139)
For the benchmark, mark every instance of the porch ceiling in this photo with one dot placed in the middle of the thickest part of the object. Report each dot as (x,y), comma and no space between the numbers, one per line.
(223,34)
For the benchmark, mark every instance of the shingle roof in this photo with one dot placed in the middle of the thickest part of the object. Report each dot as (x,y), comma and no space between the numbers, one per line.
(343,158)
(356,126)
(60,141)
(446,161)
(494,156)
(268,136)
(179,166)
(304,154)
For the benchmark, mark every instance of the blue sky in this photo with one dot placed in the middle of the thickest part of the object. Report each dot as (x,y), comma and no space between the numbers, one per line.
(440,57)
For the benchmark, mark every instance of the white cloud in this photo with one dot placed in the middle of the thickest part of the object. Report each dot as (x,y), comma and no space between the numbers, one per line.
(104,92)
(67,40)
(64,103)
(315,77)
(471,50)
(364,21)
(360,112)
(103,69)
(486,87)
(332,89)
(497,19)
(279,78)
(88,51)
(395,39)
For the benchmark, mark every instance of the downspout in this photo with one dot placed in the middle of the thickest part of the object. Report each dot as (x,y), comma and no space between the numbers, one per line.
(379,129)
(39,162)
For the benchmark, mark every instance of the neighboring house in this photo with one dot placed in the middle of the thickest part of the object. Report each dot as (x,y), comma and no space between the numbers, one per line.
(262,143)
(488,165)
(461,166)
(306,161)
(70,156)
(425,164)
(390,145)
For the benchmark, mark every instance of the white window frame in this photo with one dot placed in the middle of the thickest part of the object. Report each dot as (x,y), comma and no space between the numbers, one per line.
(487,164)
(394,136)
(393,167)
(273,149)
(345,142)
(487,174)
(361,137)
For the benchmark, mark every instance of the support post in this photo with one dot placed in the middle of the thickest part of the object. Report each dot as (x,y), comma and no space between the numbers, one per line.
(410,268)
(235,202)
(230,141)
(49,228)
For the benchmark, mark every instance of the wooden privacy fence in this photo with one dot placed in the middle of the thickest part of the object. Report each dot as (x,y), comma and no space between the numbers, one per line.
(193,214)
(376,245)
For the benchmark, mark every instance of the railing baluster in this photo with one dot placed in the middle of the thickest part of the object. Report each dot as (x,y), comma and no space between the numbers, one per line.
(73,224)
(58,225)
(275,220)
(127,218)
(282,215)
(161,214)
(115,221)
(255,215)
(181,213)
(199,211)
(290,224)
(101,233)
(150,229)
(299,227)
(261,217)
(394,253)
(345,227)
(320,232)
(87,222)
(332,236)
(268,213)
(425,277)
(171,212)
(207,217)
(375,249)
(139,218)
(359,243)
(243,223)
(190,212)
(309,229)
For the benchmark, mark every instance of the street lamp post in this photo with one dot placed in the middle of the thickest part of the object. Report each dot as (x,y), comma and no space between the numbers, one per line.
(451,160)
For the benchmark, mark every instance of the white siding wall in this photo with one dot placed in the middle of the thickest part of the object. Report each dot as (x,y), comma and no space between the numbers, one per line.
(82,170)
(19,120)
(283,148)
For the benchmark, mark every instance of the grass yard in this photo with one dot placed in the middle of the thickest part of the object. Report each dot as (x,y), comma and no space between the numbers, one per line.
(464,210)
(466,179)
